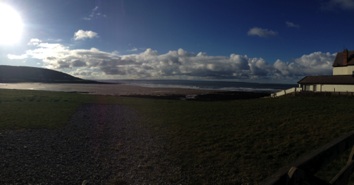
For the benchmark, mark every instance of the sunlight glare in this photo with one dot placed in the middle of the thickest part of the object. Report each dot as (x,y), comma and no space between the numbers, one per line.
(11,25)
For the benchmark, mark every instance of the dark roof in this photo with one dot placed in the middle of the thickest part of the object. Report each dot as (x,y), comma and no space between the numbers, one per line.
(341,56)
(335,79)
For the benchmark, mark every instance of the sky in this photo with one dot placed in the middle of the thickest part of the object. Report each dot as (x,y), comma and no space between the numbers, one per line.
(240,40)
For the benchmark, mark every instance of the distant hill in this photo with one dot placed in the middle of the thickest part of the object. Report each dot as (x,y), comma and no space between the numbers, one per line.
(16,74)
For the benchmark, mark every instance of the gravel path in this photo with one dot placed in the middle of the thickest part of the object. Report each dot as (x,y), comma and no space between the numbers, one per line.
(102,144)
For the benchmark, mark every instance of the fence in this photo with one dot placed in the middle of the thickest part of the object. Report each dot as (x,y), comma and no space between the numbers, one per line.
(302,171)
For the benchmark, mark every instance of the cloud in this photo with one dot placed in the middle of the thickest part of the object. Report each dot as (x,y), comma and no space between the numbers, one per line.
(34,42)
(175,64)
(133,50)
(292,25)
(316,63)
(16,57)
(341,4)
(261,32)
(95,13)
(82,35)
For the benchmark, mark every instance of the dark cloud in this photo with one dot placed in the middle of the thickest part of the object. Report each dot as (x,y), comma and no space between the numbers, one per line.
(78,63)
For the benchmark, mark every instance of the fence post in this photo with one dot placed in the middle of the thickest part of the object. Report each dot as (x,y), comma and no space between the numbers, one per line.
(297,177)
(342,178)
(302,171)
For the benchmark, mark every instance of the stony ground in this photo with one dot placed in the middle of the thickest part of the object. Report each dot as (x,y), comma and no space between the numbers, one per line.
(102,144)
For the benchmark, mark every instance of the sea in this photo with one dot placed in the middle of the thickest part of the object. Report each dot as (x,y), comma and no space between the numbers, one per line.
(209,85)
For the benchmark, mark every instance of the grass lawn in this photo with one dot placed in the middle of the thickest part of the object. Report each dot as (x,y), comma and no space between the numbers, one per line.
(40,109)
(245,141)
(241,141)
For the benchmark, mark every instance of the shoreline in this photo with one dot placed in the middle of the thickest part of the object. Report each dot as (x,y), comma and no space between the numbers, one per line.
(210,96)
(128,90)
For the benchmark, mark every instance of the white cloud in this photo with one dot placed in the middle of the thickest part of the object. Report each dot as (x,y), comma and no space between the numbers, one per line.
(133,50)
(34,42)
(292,25)
(335,4)
(82,35)
(261,32)
(316,63)
(95,13)
(16,57)
(176,64)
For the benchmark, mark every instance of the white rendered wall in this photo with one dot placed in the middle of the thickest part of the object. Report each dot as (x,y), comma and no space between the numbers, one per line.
(338,88)
(329,88)
(348,70)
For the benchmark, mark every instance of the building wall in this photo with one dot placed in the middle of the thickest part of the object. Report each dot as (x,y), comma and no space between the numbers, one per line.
(328,88)
(308,88)
(347,70)
(338,88)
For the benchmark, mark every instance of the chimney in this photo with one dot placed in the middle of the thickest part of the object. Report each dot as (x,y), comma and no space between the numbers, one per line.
(345,52)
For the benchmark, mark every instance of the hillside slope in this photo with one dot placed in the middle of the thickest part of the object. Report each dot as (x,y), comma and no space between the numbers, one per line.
(15,74)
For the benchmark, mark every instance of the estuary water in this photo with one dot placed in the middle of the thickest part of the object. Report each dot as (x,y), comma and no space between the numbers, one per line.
(209,85)
(151,87)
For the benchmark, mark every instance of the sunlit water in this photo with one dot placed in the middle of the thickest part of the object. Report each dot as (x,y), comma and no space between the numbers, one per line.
(150,87)
(209,85)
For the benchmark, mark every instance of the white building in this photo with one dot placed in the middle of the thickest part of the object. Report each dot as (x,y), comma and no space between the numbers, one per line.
(342,79)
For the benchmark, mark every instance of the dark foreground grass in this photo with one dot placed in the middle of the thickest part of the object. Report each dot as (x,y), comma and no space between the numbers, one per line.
(39,109)
(238,142)
(243,142)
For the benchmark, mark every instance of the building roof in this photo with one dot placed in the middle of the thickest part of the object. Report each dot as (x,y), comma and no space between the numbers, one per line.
(344,58)
(335,79)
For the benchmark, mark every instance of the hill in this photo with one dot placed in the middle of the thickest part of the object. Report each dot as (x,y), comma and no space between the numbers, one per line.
(17,74)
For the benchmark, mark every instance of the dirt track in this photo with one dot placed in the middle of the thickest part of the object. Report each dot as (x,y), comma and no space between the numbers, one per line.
(102,144)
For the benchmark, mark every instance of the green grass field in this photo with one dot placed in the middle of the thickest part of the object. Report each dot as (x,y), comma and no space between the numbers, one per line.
(40,109)
(246,140)
(241,141)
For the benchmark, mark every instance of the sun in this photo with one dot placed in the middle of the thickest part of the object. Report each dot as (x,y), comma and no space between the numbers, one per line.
(10,25)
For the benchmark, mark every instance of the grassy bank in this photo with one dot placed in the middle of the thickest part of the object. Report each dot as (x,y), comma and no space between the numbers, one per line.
(241,141)
(39,109)
(245,141)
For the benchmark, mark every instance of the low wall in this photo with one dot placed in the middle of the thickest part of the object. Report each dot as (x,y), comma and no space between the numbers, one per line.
(287,91)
